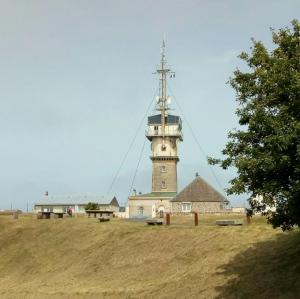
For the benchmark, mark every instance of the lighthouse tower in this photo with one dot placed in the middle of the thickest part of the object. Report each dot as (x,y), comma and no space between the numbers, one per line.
(164,133)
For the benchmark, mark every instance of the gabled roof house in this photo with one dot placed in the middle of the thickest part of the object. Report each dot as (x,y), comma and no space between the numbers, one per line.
(199,197)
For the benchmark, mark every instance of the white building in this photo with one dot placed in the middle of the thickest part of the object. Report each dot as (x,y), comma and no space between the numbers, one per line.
(75,203)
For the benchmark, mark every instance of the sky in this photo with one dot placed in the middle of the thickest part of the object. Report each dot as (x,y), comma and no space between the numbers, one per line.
(76,78)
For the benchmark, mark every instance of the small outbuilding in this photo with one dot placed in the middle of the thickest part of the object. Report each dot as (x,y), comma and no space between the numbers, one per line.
(74,203)
(198,197)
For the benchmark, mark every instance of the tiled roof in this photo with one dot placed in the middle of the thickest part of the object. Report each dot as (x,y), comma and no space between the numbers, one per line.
(114,202)
(199,190)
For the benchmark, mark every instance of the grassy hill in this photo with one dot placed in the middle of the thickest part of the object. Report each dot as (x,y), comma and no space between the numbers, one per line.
(81,258)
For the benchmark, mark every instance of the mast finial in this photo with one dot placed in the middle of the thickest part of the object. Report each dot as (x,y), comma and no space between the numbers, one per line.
(163,51)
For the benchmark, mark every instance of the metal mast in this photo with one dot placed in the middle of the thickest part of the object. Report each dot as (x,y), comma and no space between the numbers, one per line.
(163,70)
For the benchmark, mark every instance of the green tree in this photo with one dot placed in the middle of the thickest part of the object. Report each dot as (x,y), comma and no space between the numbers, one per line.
(92,206)
(265,149)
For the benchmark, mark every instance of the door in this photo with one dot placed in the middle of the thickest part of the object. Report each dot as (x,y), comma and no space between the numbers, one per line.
(161,211)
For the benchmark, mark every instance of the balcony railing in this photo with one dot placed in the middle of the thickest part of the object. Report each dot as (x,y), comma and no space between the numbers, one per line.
(168,132)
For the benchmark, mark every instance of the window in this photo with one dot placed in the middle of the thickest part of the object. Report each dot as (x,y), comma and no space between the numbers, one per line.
(163,168)
(163,184)
(141,211)
(186,207)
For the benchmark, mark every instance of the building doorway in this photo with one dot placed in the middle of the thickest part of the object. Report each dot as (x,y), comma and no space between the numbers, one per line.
(140,211)
(161,212)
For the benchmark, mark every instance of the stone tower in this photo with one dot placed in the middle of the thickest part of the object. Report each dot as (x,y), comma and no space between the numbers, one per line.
(164,132)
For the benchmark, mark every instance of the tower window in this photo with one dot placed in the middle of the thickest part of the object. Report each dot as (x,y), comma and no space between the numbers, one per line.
(163,185)
(163,168)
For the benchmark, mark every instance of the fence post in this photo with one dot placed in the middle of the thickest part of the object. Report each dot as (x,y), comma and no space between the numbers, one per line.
(248,219)
(167,218)
(249,214)
(196,218)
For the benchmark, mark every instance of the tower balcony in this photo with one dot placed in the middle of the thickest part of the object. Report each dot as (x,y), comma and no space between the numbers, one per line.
(170,131)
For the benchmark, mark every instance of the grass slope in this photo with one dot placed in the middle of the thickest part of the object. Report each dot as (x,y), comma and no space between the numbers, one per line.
(81,258)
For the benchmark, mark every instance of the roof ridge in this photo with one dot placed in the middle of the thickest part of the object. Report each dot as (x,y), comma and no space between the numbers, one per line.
(211,186)
(199,186)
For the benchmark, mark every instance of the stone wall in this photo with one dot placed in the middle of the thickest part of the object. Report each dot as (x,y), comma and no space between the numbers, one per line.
(170,147)
(164,171)
(199,207)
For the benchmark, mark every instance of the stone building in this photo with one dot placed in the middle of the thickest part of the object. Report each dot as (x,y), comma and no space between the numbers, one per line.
(164,133)
(198,197)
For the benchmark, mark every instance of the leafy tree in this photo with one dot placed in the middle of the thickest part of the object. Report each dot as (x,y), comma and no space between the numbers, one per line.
(92,206)
(266,148)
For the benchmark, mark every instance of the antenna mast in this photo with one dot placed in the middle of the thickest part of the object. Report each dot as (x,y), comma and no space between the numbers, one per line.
(163,70)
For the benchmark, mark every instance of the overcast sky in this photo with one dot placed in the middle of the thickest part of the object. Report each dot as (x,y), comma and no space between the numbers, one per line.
(76,78)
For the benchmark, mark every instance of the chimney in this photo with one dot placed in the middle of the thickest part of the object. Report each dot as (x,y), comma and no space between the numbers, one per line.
(46,193)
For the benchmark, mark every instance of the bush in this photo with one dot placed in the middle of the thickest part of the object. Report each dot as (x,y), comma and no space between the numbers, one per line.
(92,206)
